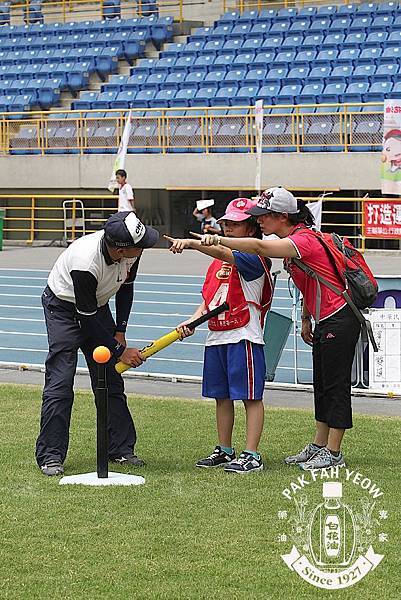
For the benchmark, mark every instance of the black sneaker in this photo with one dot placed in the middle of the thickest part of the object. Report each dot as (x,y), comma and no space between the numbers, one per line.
(245,463)
(218,458)
(52,468)
(129,459)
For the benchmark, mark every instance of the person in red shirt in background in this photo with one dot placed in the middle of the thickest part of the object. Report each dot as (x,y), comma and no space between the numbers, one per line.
(335,336)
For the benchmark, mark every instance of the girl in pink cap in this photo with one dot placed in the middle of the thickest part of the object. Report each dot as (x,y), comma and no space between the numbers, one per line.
(234,364)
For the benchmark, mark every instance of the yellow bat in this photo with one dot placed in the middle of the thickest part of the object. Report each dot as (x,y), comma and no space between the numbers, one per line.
(173,336)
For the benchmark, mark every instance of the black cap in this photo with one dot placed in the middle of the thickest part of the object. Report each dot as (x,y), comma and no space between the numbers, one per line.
(125,230)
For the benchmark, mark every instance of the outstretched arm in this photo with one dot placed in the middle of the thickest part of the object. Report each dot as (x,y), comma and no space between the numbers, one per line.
(179,245)
(274,249)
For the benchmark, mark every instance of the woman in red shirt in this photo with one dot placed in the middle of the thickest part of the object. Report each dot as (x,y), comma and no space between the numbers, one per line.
(335,336)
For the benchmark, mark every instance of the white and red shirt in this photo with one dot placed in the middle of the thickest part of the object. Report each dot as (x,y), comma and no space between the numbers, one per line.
(313,254)
(252,275)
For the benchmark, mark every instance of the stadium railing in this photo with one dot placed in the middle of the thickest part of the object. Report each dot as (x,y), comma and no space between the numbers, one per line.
(33,218)
(68,10)
(286,128)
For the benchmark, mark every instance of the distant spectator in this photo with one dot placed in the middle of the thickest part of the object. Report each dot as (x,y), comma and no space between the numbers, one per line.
(203,214)
(126,198)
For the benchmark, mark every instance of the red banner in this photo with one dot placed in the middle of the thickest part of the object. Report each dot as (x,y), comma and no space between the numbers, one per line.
(382,218)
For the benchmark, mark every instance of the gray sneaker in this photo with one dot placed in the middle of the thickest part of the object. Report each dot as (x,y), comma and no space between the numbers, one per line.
(305,454)
(52,468)
(323,459)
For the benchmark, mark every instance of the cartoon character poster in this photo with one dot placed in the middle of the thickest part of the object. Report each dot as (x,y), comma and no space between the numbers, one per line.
(391,155)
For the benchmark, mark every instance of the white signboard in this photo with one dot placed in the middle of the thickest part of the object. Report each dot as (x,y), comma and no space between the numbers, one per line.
(385,365)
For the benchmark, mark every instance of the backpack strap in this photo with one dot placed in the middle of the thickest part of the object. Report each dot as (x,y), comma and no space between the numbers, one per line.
(367,331)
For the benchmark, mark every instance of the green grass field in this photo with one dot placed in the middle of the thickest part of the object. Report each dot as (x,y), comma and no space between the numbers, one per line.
(187,533)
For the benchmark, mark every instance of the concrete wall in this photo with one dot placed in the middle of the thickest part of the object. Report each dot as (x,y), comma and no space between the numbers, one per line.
(353,171)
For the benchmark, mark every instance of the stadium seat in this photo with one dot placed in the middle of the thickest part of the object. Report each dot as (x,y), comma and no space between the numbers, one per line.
(320,25)
(332,93)
(260,28)
(341,74)
(370,55)
(124,99)
(364,72)
(292,42)
(366,136)
(252,44)
(309,93)
(264,58)
(327,11)
(355,92)
(284,59)
(382,22)
(224,96)
(184,96)
(235,75)
(244,59)
(176,79)
(288,94)
(340,24)
(361,23)
(387,72)
(297,75)
(163,98)
(274,75)
(367,8)
(317,74)
(348,56)
(334,39)
(299,26)
(378,91)
(245,95)
(376,38)
(305,57)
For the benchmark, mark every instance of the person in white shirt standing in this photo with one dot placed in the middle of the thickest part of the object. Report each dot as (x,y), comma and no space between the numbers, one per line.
(126,198)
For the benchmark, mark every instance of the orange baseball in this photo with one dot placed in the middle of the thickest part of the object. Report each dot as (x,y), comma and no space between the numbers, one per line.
(101,354)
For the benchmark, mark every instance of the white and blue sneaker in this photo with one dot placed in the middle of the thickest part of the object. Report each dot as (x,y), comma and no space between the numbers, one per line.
(323,459)
(245,463)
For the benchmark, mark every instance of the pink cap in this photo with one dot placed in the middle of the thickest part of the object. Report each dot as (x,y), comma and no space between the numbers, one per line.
(236,210)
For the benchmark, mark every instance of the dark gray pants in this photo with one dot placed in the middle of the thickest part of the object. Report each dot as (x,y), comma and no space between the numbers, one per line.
(65,338)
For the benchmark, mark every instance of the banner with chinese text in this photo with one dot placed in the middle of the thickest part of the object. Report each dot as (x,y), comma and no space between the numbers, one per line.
(382,218)
(391,155)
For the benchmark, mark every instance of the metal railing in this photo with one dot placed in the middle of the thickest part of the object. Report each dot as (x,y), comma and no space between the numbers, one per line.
(242,5)
(40,217)
(77,10)
(342,128)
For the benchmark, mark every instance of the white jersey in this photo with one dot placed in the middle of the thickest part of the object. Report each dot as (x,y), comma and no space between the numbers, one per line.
(85,254)
(125,195)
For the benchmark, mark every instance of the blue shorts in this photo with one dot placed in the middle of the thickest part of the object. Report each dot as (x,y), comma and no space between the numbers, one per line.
(234,371)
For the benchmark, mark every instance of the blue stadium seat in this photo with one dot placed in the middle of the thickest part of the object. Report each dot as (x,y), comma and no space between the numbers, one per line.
(348,56)
(283,59)
(367,8)
(221,31)
(361,23)
(143,99)
(104,100)
(395,93)
(318,74)
(366,136)
(355,40)
(5,13)
(203,95)
(252,43)
(146,65)
(172,49)
(305,57)
(297,75)
(275,75)
(176,79)
(288,93)
(388,55)
(255,76)
(214,46)
(232,44)
(21,103)
(394,39)
(313,42)
(163,98)
(382,23)
(363,72)
(248,16)
(184,96)
(272,43)
(224,96)
(306,11)
(193,48)
(165,64)
(332,93)
(267,14)
(225,59)
(184,63)
(370,55)
(244,59)
(320,24)
(214,77)
(136,80)
(204,60)
(85,101)
(124,99)
(327,56)
(376,38)
(264,58)
(229,17)
(245,95)
(309,93)
(341,74)
(280,27)
(235,75)
(116,83)
(379,90)
(340,23)
(334,39)
(286,14)
(202,33)
(387,72)
(327,11)
(292,42)
(154,81)
(355,91)
(396,26)
(299,26)
(242,29)
(387,7)
(185,137)
(260,28)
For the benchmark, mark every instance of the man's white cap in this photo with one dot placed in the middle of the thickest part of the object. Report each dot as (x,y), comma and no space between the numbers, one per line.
(276,199)
(201,204)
